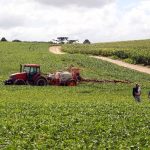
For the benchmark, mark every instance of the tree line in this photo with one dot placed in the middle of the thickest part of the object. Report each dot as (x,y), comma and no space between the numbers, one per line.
(59,40)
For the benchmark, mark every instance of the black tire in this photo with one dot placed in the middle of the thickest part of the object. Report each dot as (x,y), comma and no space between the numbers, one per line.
(19,82)
(41,82)
(8,82)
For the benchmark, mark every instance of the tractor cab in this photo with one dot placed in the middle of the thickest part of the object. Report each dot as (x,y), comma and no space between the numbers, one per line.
(31,70)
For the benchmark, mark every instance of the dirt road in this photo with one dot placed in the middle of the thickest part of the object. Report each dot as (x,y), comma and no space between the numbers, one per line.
(57,50)
(123,64)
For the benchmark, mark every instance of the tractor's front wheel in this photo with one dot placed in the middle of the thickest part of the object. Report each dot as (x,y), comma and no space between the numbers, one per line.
(19,82)
(41,82)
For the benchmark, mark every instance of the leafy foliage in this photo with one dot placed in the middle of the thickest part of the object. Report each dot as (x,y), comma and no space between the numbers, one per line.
(3,39)
(89,116)
(137,51)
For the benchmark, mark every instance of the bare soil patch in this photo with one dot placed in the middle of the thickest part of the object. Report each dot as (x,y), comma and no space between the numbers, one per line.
(56,50)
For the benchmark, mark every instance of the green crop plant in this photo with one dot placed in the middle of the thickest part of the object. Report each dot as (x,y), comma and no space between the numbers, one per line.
(137,51)
(88,116)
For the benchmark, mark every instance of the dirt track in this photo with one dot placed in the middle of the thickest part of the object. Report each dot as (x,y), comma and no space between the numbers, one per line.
(57,50)
(126,65)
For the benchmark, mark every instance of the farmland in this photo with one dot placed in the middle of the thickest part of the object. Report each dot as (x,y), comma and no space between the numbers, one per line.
(136,52)
(89,116)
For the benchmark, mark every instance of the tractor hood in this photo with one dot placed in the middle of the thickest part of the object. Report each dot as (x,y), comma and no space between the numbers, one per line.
(20,75)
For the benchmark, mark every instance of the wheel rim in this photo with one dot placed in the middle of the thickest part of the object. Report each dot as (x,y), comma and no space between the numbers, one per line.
(41,82)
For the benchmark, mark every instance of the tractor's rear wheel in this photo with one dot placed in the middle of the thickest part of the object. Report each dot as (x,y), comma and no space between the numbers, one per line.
(19,82)
(71,83)
(41,82)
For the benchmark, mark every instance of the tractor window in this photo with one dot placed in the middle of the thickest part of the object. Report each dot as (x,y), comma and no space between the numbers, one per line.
(33,70)
(26,69)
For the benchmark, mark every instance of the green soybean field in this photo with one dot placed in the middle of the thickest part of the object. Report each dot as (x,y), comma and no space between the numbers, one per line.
(136,52)
(90,116)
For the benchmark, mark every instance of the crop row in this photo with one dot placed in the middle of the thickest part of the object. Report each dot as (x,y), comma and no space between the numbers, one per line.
(89,116)
(82,118)
(132,52)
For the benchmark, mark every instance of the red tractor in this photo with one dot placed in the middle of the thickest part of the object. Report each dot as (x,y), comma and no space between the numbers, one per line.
(29,74)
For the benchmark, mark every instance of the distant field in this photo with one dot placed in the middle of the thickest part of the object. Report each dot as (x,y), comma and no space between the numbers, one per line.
(137,52)
(89,116)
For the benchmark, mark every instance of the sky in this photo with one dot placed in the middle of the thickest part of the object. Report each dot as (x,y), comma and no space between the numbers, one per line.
(96,20)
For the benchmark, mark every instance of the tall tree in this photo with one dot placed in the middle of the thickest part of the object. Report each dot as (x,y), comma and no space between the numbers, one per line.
(86,42)
(3,39)
(62,39)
